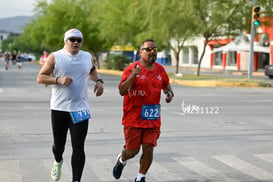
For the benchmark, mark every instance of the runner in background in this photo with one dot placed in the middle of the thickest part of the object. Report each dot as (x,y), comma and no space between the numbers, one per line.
(6,57)
(43,58)
(19,60)
(12,57)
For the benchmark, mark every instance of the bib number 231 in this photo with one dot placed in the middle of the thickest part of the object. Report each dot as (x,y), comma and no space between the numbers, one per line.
(150,112)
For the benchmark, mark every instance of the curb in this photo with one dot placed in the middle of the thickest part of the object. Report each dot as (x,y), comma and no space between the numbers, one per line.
(214,83)
(111,72)
(197,83)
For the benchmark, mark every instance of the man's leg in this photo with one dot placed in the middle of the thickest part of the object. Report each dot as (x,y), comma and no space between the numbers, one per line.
(131,148)
(149,141)
(60,123)
(78,134)
(146,158)
(128,154)
(59,127)
(145,162)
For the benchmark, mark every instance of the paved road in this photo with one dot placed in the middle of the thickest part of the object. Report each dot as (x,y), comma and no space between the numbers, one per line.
(208,134)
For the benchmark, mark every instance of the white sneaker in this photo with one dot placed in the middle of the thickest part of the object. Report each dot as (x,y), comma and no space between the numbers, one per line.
(56,170)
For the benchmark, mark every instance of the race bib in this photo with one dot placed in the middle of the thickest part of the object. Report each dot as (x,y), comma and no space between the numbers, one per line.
(150,112)
(79,116)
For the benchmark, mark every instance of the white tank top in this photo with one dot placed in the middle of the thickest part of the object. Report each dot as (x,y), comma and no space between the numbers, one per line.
(73,97)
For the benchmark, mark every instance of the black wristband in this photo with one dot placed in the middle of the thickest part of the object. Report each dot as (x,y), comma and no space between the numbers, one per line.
(167,92)
(57,80)
(99,80)
(172,93)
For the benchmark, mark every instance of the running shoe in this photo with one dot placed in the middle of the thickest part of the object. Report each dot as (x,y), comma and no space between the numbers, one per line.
(117,170)
(141,180)
(56,171)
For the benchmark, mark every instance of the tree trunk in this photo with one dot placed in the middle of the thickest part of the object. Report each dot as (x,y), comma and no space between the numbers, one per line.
(96,59)
(202,55)
(98,62)
(177,62)
(176,51)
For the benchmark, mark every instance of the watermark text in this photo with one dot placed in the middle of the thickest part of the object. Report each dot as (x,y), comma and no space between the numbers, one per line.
(197,109)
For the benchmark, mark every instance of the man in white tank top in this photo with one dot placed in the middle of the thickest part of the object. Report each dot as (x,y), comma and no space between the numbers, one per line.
(68,70)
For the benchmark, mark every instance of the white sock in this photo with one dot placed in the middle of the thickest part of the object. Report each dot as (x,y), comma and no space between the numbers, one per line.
(121,160)
(139,176)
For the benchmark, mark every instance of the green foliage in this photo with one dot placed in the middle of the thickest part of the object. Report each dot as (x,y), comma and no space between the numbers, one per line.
(117,62)
(105,23)
(7,44)
(215,18)
(54,19)
(117,23)
(167,21)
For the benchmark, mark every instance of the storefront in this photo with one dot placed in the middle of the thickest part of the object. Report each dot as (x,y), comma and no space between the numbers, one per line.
(234,54)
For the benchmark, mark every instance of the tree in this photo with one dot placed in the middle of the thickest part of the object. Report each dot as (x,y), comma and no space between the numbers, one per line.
(169,22)
(121,22)
(47,31)
(8,44)
(116,22)
(130,22)
(222,18)
(214,18)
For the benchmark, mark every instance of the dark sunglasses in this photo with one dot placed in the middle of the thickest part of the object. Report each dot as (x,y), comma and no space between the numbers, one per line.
(149,49)
(73,39)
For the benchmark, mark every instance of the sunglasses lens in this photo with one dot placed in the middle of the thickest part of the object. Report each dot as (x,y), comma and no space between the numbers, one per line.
(73,39)
(149,49)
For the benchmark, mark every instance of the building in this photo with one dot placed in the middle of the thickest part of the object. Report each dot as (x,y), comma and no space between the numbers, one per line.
(229,53)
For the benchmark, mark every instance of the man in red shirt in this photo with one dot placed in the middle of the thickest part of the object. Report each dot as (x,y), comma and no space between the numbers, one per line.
(141,87)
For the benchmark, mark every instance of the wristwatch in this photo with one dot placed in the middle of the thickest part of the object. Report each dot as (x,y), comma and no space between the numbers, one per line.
(100,80)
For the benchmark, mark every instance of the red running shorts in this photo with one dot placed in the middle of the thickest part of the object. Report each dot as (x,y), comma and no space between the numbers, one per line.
(135,137)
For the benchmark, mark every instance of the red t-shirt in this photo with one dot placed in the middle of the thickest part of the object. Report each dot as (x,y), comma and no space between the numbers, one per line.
(145,90)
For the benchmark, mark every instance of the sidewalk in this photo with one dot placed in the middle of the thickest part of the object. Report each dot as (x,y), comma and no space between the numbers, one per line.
(206,83)
(214,71)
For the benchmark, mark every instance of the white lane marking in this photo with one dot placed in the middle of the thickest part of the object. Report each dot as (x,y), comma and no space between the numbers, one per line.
(245,167)
(265,157)
(161,173)
(203,169)
(103,169)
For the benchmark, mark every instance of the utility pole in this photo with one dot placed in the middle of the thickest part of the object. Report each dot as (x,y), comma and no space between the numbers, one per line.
(251,54)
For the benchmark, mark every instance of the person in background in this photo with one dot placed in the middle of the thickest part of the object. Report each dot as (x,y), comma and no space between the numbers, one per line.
(43,58)
(12,57)
(141,86)
(6,57)
(19,60)
(68,70)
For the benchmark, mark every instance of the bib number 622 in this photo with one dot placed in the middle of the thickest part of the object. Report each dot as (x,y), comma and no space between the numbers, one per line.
(150,112)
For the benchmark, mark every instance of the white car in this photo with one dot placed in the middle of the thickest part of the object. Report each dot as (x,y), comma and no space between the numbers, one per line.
(29,57)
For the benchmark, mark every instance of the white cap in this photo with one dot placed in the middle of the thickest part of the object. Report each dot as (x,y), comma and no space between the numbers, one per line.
(72,33)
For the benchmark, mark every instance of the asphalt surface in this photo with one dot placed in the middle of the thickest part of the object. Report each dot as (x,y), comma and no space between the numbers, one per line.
(208,134)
